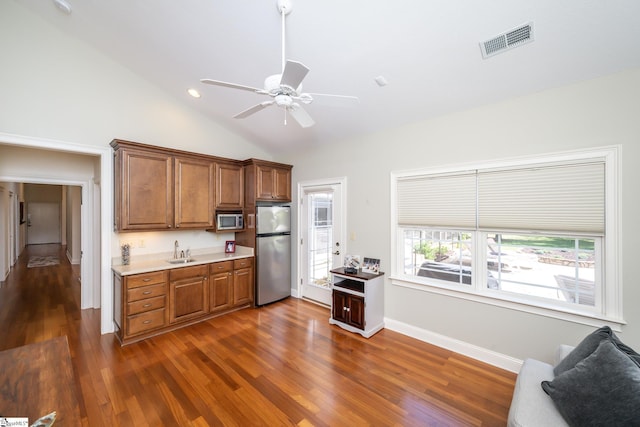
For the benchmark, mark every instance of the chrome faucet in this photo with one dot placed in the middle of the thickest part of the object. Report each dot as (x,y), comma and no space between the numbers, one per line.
(175,250)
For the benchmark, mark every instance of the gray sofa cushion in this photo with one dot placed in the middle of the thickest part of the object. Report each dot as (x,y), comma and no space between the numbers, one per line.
(530,405)
(602,390)
(589,344)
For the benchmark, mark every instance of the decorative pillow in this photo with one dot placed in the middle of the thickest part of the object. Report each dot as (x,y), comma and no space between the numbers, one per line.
(589,345)
(602,390)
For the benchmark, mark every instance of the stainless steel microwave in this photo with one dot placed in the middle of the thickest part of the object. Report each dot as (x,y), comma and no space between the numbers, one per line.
(229,221)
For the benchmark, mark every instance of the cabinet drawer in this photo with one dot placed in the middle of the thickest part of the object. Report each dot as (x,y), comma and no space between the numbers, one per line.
(137,280)
(146,305)
(242,263)
(220,267)
(188,272)
(146,321)
(146,292)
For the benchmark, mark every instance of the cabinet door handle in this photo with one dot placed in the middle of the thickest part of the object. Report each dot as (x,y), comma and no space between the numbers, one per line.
(146,305)
(148,279)
(146,322)
(169,226)
(146,292)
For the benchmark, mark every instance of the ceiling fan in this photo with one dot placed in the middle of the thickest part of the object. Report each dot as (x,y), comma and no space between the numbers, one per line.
(285,89)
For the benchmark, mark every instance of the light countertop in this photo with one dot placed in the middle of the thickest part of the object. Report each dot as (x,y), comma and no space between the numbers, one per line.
(156,262)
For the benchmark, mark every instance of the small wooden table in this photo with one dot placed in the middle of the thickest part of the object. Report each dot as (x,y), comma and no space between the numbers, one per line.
(37,379)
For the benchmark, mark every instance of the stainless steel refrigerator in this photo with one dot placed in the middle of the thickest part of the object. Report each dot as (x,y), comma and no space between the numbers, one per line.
(273,253)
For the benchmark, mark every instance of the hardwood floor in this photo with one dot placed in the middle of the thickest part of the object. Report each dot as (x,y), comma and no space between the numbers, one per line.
(280,365)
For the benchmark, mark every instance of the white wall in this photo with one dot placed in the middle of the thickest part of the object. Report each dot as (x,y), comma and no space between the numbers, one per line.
(4,233)
(590,114)
(73,202)
(56,87)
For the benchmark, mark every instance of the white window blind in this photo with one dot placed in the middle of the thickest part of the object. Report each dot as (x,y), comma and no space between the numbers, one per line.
(565,198)
(437,200)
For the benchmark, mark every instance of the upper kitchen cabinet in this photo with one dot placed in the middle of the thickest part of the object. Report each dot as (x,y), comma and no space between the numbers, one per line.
(143,189)
(194,180)
(158,189)
(267,181)
(229,186)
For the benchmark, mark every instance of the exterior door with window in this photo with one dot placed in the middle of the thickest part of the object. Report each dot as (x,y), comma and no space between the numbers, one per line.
(322,238)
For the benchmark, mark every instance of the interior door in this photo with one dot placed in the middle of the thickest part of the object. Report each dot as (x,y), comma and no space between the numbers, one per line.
(43,223)
(322,238)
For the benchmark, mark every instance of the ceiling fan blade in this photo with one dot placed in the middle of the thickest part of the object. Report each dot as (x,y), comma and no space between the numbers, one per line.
(293,74)
(300,115)
(330,100)
(252,110)
(231,85)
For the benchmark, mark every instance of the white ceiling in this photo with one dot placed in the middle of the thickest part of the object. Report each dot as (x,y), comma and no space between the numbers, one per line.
(427,50)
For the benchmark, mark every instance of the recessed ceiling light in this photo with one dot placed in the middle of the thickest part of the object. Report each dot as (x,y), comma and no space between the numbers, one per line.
(194,93)
(381,81)
(63,6)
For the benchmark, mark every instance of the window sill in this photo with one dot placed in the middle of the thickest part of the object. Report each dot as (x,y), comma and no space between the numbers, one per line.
(589,319)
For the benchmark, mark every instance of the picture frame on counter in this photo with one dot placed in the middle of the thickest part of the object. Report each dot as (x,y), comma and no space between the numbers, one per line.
(371,265)
(230,247)
(352,261)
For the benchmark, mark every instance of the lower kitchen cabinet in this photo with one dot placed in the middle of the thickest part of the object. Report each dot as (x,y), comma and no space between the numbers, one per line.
(242,281)
(140,303)
(357,302)
(152,303)
(189,296)
(220,286)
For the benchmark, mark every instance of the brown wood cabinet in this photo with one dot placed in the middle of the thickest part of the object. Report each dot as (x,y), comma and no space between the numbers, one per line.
(243,281)
(267,181)
(348,309)
(143,190)
(189,293)
(141,303)
(194,184)
(152,303)
(220,286)
(158,189)
(229,186)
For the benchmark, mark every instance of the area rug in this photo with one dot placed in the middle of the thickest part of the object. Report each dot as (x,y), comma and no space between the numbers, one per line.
(42,261)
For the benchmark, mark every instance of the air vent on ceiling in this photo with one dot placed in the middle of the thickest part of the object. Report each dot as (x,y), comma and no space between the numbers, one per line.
(508,40)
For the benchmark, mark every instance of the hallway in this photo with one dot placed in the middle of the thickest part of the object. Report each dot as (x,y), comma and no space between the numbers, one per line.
(40,302)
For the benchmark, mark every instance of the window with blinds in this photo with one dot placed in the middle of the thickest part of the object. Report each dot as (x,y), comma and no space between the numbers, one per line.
(531,231)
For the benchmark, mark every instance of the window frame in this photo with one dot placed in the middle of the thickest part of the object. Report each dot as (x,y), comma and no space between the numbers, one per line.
(608,311)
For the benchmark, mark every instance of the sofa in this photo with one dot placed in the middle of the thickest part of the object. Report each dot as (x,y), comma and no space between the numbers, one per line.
(596,383)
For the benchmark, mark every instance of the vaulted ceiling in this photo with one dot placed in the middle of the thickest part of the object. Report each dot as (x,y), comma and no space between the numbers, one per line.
(428,52)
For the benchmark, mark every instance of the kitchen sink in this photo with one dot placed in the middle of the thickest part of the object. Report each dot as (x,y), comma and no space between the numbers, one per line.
(180,260)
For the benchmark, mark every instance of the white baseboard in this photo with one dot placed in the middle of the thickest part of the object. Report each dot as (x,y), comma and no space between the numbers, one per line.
(482,354)
(71,259)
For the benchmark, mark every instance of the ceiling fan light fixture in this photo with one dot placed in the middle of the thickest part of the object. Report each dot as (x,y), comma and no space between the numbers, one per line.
(283,101)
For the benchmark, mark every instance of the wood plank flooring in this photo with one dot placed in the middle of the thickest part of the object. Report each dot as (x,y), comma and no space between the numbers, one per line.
(280,365)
